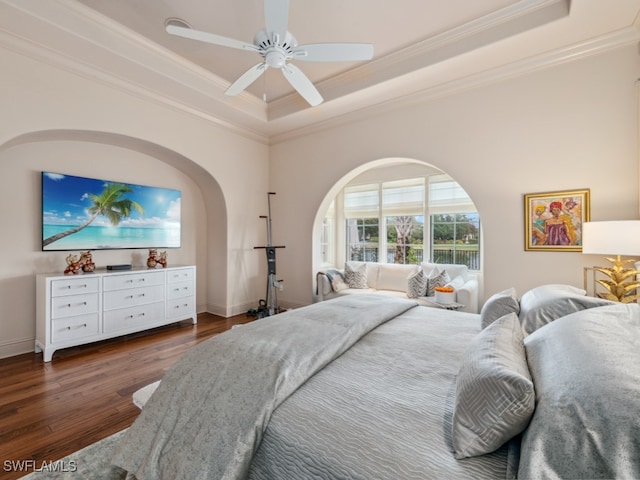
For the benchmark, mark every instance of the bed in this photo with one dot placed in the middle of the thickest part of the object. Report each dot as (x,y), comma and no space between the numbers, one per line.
(375,387)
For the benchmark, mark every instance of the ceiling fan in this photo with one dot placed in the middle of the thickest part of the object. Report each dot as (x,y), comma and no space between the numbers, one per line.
(277,47)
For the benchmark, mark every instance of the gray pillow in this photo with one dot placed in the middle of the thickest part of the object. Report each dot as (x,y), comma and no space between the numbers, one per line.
(547,303)
(355,274)
(498,305)
(437,278)
(494,392)
(585,370)
(417,284)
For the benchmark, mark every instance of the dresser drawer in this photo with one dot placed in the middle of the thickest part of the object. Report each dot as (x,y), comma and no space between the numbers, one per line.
(180,275)
(73,305)
(74,286)
(180,289)
(132,297)
(66,329)
(181,307)
(133,280)
(131,318)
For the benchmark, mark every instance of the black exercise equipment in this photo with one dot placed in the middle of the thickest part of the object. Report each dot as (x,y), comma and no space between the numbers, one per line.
(269,305)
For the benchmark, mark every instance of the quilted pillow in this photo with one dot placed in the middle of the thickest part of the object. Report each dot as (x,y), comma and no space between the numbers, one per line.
(498,305)
(546,303)
(495,398)
(355,274)
(437,278)
(417,284)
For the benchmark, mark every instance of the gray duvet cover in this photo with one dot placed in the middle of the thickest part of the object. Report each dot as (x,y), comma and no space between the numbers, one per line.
(359,387)
(380,411)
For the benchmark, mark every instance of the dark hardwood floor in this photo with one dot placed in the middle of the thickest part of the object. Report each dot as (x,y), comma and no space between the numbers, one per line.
(49,410)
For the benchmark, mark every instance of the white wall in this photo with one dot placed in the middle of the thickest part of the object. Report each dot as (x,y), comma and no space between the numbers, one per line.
(571,126)
(54,120)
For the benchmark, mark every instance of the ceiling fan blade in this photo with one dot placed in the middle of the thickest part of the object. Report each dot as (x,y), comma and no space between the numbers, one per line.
(302,84)
(276,18)
(246,79)
(208,37)
(334,52)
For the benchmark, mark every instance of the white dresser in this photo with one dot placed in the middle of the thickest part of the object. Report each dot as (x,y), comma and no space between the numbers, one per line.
(76,309)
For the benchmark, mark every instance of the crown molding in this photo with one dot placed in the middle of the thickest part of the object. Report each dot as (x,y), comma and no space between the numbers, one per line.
(475,34)
(70,36)
(388,102)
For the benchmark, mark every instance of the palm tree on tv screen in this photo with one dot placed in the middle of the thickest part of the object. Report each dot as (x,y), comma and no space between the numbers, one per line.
(110,204)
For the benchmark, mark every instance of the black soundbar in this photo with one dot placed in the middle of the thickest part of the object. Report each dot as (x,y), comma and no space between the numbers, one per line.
(124,266)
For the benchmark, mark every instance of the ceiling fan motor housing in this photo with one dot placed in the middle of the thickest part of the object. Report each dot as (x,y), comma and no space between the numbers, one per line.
(275,51)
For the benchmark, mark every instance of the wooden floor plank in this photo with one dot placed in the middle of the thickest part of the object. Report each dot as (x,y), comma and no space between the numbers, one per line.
(49,410)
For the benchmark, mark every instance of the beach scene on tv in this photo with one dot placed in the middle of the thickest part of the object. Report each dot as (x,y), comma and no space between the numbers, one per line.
(81,213)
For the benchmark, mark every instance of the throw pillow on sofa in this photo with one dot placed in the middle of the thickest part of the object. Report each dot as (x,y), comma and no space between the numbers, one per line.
(355,274)
(437,278)
(417,284)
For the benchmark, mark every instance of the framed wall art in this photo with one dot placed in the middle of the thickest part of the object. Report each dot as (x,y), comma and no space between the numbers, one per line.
(553,220)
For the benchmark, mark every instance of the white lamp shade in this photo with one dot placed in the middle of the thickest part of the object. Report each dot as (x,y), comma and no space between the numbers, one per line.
(620,237)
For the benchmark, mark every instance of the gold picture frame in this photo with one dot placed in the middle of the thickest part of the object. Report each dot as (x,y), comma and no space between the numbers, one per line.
(553,220)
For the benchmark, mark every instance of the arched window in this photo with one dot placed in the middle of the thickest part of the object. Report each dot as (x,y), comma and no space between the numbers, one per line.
(406,220)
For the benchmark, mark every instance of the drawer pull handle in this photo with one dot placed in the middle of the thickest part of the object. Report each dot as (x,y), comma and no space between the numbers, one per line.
(84,325)
(129,296)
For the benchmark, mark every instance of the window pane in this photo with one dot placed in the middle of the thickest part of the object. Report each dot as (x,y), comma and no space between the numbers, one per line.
(405,240)
(325,240)
(362,239)
(455,239)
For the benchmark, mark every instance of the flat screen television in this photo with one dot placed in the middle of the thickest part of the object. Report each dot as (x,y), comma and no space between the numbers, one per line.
(81,213)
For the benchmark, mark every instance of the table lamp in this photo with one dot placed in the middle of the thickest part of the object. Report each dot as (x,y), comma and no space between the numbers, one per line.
(615,238)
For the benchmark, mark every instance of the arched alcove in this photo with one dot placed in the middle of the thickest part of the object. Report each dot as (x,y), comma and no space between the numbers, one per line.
(114,157)
(398,168)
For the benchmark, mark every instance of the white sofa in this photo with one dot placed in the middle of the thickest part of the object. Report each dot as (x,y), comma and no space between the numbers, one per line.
(392,279)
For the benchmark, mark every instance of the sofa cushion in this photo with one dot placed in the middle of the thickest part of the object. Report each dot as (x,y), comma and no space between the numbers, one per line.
(453,270)
(393,276)
(355,274)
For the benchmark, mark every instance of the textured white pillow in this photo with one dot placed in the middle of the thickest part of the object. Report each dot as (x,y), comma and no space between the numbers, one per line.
(417,284)
(355,274)
(495,398)
(498,305)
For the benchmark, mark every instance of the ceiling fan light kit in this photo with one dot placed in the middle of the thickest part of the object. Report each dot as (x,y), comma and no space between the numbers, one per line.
(278,47)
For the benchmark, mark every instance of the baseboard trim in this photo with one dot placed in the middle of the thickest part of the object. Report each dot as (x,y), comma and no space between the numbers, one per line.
(17,347)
